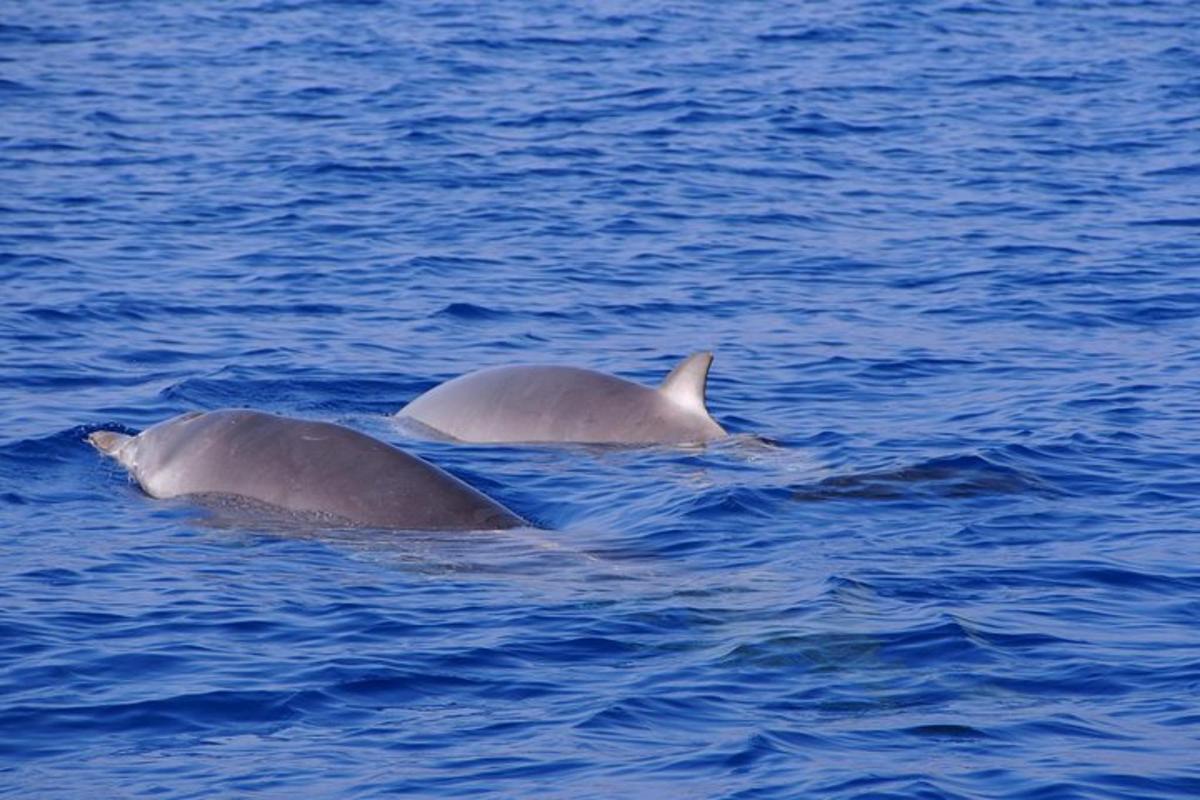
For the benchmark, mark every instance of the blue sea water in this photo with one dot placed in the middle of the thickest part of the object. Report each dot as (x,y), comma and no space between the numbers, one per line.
(945,252)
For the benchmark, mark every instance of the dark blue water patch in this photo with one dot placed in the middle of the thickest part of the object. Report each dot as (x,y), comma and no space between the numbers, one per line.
(1169,222)
(19,261)
(1182,171)
(350,172)
(12,87)
(821,125)
(809,34)
(44,35)
(471,312)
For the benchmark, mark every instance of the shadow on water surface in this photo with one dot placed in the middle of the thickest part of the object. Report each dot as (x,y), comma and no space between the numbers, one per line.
(952,477)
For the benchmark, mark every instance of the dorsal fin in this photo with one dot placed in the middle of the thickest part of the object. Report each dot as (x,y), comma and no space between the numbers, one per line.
(685,384)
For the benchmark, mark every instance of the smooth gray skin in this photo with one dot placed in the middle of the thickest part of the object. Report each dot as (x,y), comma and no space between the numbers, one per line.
(567,404)
(313,468)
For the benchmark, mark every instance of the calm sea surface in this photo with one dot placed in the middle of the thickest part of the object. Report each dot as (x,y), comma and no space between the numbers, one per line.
(947,255)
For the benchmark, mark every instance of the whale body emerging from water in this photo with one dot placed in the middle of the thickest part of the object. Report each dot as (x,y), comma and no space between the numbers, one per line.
(567,404)
(315,469)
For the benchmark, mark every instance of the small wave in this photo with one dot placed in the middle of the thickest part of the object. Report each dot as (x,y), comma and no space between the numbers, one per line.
(351,171)
(823,126)
(891,370)
(45,35)
(13,87)
(1182,171)
(471,311)
(1168,222)
(945,730)
(107,118)
(814,35)
(1048,82)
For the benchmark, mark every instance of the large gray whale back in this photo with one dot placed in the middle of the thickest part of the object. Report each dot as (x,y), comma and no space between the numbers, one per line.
(567,404)
(312,468)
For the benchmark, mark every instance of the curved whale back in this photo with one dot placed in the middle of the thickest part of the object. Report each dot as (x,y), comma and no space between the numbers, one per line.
(315,468)
(567,404)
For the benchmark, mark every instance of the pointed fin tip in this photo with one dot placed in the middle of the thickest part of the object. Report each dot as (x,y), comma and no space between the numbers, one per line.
(685,385)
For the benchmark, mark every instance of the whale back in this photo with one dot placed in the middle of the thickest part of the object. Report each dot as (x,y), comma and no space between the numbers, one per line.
(314,468)
(535,403)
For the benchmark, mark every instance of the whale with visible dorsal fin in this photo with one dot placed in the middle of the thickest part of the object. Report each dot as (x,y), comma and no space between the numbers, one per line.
(318,470)
(531,404)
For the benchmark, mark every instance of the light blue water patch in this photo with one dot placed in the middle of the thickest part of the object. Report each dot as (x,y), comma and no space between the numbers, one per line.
(945,253)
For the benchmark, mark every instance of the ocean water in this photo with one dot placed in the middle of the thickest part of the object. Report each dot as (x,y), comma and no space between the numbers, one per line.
(946,254)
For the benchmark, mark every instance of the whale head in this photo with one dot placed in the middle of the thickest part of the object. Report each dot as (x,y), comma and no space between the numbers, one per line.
(132,451)
(114,445)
